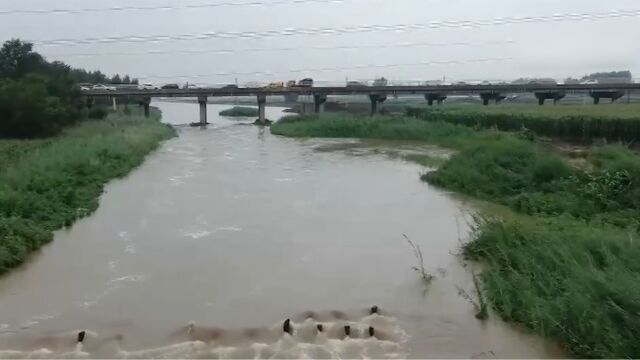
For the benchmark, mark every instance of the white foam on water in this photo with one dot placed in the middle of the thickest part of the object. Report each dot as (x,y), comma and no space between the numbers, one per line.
(196,234)
(112,265)
(229,228)
(282,180)
(125,236)
(316,336)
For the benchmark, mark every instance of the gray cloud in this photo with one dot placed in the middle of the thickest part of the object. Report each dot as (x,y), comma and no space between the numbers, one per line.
(554,49)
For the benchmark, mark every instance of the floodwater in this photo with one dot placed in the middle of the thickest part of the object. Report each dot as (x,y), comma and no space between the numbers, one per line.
(225,232)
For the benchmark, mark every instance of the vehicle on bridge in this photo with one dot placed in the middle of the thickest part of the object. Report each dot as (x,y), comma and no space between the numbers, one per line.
(230,87)
(356,84)
(103,87)
(85,86)
(306,82)
(291,83)
(170,87)
(275,85)
(147,86)
(380,82)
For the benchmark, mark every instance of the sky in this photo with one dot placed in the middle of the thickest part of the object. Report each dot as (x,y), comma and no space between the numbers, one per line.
(224,41)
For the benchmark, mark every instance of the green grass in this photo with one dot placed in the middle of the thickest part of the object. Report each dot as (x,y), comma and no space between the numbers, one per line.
(51,183)
(566,263)
(574,123)
(618,110)
(564,279)
(426,160)
(240,111)
(381,127)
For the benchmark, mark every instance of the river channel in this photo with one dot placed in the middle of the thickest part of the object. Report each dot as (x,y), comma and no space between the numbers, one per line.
(231,227)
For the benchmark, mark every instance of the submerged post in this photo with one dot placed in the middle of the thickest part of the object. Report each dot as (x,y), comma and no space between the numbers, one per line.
(262,102)
(318,101)
(202,101)
(115,104)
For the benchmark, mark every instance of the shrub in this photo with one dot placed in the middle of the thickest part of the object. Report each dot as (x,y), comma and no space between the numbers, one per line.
(566,280)
(98,113)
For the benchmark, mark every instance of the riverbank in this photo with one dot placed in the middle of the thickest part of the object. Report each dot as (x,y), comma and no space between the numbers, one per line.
(585,123)
(564,264)
(48,184)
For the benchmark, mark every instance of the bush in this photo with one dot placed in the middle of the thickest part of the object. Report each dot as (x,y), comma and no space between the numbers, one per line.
(575,125)
(98,113)
(53,183)
(565,280)
(240,111)
(500,169)
(28,110)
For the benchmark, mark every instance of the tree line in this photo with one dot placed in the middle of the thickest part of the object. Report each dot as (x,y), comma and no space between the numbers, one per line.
(39,98)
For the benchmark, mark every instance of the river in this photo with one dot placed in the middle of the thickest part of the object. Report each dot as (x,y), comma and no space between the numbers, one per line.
(233,227)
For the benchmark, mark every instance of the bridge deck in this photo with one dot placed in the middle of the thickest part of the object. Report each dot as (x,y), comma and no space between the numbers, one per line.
(364,90)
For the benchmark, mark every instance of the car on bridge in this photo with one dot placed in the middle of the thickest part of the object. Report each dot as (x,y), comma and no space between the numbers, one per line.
(291,83)
(356,84)
(275,85)
(103,87)
(307,82)
(147,86)
(85,86)
(380,82)
(170,87)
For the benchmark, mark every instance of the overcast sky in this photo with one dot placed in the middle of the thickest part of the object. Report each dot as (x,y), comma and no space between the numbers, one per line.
(503,51)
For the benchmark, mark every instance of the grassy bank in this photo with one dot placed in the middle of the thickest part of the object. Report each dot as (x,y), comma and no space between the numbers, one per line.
(566,267)
(381,127)
(618,122)
(48,184)
(240,111)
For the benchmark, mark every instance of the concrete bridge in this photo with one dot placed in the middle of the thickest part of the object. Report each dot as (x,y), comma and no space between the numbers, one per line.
(376,94)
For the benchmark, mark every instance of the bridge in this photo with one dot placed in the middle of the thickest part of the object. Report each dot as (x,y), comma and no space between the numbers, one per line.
(376,94)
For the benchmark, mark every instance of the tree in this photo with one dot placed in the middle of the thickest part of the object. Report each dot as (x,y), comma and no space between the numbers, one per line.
(27,109)
(17,59)
(134,81)
(126,79)
(611,76)
(116,79)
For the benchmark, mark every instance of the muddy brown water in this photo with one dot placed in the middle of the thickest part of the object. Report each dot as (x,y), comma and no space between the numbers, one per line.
(233,227)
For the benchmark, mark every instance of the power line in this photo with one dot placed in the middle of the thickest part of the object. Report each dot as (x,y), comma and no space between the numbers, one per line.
(167,7)
(257,34)
(329,69)
(319,48)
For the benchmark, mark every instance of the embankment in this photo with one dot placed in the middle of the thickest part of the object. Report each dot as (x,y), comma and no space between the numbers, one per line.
(48,184)
(616,122)
(563,260)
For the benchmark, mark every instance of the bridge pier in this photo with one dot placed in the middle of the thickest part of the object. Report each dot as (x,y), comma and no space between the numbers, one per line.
(439,98)
(202,102)
(556,96)
(318,102)
(90,102)
(375,99)
(115,104)
(487,96)
(605,94)
(262,103)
